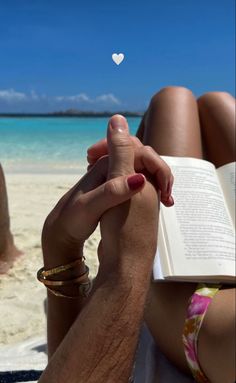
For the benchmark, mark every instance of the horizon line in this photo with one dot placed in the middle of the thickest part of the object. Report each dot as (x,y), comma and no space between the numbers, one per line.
(71,113)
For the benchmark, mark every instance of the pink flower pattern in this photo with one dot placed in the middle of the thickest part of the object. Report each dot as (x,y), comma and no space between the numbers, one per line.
(198,305)
(197,309)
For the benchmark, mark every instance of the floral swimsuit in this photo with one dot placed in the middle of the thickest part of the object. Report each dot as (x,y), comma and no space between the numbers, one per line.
(196,312)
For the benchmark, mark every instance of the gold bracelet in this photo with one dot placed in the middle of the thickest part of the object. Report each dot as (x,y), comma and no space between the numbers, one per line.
(60,269)
(84,290)
(48,282)
(82,281)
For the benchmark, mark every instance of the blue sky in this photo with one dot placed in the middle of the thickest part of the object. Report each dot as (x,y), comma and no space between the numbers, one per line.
(56,54)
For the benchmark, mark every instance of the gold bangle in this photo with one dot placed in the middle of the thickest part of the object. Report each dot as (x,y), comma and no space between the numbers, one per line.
(82,281)
(47,282)
(61,268)
(84,290)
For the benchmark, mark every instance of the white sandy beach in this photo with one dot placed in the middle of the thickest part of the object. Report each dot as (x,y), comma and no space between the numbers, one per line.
(31,197)
(22,316)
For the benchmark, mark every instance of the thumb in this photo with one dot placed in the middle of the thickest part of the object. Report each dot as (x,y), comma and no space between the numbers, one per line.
(120,147)
(110,194)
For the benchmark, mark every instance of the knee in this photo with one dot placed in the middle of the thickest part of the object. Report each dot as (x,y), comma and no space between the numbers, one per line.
(211,98)
(179,92)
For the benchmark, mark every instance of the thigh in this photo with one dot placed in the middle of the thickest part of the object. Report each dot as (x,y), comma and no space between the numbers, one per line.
(165,316)
(217,116)
(171,124)
(216,343)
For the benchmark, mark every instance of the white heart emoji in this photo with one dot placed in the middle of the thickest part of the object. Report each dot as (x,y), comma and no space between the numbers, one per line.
(118,58)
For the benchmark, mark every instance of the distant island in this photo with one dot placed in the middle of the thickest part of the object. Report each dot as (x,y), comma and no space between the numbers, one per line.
(74,113)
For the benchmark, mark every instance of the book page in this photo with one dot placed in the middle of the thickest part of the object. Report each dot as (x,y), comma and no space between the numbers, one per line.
(161,265)
(157,269)
(200,235)
(226,175)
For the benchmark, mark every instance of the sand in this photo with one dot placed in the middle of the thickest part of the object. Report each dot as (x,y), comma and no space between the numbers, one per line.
(31,197)
(22,316)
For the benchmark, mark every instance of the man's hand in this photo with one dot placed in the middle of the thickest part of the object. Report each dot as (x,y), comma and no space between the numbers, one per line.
(129,230)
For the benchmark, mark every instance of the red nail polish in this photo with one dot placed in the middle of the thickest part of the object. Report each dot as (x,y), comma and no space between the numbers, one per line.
(171,201)
(136,181)
(168,188)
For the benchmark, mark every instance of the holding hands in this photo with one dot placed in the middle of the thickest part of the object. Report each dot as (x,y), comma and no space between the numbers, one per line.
(115,192)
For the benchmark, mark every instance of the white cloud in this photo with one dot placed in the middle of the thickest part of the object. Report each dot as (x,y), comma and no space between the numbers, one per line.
(10,95)
(108,98)
(82,97)
(34,95)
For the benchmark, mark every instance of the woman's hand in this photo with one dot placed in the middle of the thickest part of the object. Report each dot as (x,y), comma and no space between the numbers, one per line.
(77,214)
(146,161)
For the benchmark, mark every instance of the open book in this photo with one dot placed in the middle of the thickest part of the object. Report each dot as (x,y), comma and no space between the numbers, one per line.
(196,238)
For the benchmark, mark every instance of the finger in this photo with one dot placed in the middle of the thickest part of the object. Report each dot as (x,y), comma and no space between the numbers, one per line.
(95,177)
(91,164)
(100,149)
(147,158)
(97,150)
(120,147)
(110,194)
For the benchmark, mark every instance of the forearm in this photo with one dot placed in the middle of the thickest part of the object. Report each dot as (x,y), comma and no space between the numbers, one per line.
(101,344)
(62,312)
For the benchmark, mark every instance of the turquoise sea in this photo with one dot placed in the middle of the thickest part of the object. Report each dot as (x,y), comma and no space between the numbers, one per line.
(49,145)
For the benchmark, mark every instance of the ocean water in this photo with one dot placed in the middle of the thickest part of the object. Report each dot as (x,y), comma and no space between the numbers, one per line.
(48,145)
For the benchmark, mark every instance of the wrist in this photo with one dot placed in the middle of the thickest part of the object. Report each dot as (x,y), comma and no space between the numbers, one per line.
(126,271)
(67,280)
(57,252)
(128,257)
(58,249)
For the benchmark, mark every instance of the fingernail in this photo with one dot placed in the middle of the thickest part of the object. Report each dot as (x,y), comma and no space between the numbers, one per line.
(89,150)
(168,191)
(135,181)
(170,201)
(118,124)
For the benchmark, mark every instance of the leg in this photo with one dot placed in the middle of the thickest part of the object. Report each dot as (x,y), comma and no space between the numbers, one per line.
(217,115)
(172,124)
(140,132)
(172,128)
(8,251)
(216,341)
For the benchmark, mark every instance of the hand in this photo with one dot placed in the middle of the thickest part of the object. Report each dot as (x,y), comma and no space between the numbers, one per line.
(128,231)
(76,215)
(145,160)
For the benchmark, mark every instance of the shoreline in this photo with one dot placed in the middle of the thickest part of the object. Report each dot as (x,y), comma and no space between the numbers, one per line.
(71,115)
(69,170)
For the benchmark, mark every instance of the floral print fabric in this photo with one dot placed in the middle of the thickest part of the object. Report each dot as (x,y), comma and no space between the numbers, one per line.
(196,311)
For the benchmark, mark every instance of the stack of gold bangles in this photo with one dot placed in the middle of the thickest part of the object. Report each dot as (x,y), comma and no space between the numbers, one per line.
(83,282)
